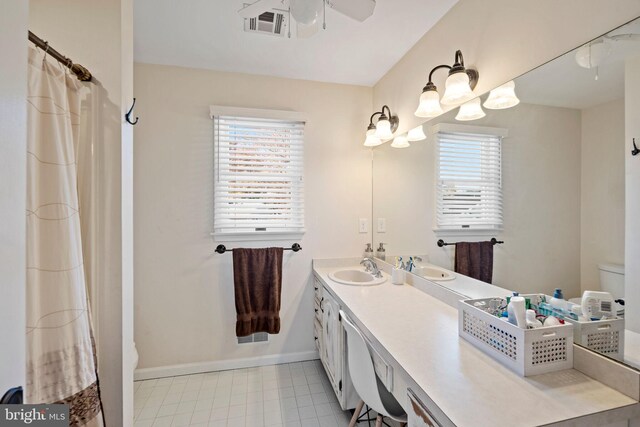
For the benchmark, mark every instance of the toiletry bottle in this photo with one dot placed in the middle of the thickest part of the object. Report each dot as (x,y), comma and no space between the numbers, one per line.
(558,302)
(510,313)
(381,253)
(368,252)
(532,322)
(518,308)
(596,305)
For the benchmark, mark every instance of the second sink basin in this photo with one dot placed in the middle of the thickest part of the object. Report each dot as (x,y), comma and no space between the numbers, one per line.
(434,273)
(356,278)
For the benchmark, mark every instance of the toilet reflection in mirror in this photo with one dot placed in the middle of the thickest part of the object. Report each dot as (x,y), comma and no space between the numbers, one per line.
(546,176)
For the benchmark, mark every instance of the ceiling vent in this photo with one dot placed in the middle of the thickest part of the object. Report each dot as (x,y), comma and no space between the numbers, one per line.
(273,22)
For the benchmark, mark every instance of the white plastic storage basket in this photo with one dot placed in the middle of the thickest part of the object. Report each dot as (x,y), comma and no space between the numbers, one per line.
(525,351)
(604,336)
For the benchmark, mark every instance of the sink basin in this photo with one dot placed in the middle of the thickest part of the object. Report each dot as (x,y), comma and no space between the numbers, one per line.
(434,273)
(356,278)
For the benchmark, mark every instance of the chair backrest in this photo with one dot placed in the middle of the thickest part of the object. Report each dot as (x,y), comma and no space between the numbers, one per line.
(363,374)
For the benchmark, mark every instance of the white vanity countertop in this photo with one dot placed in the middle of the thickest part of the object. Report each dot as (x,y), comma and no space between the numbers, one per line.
(421,333)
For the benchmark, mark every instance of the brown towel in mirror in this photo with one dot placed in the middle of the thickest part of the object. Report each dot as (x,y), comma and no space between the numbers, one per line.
(257,279)
(475,259)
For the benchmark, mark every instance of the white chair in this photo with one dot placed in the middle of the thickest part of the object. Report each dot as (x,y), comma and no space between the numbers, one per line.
(366,382)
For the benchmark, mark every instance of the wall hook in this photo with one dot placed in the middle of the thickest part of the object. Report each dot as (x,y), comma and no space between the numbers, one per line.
(635,150)
(127,116)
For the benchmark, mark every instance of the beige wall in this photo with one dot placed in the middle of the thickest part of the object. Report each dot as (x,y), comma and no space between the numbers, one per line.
(184,309)
(602,198)
(13,174)
(502,39)
(632,193)
(541,189)
(98,35)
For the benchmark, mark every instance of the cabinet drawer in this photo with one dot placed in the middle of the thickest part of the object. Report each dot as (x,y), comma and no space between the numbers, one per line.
(317,308)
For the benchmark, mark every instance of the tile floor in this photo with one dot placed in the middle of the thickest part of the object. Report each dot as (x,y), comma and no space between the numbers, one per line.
(294,394)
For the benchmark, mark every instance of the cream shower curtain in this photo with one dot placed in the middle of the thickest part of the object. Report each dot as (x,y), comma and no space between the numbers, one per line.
(61,363)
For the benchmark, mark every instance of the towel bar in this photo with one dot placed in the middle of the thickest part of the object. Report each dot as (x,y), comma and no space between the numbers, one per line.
(295,248)
(493,240)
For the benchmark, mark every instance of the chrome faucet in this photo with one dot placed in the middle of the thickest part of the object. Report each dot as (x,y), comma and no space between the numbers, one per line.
(371,267)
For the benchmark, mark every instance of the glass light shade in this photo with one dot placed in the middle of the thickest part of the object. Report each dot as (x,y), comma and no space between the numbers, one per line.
(400,142)
(471,110)
(593,54)
(383,129)
(429,104)
(502,97)
(457,89)
(416,134)
(372,140)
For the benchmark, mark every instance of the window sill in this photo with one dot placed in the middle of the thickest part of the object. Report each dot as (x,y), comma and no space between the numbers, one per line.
(257,236)
(467,232)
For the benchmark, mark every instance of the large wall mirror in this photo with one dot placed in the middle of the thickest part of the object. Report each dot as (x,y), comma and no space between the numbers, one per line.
(545,177)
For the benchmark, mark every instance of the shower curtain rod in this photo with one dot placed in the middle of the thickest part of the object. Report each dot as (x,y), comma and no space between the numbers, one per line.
(81,73)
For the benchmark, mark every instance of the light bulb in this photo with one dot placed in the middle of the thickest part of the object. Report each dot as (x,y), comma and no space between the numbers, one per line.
(416,134)
(383,129)
(429,104)
(502,97)
(470,111)
(400,142)
(457,89)
(305,12)
(372,140)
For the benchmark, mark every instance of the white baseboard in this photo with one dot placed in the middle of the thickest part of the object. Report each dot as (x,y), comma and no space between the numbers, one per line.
(221,365)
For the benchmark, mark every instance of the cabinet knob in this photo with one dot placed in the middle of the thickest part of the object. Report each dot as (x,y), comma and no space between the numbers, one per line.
(315,309)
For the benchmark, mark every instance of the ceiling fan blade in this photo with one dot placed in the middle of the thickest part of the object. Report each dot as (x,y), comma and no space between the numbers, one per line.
(304,31)
(359,10)
(257,8)
(625,37)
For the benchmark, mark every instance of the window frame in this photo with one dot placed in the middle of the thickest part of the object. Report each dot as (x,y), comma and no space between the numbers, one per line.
(478,230)
(260,114)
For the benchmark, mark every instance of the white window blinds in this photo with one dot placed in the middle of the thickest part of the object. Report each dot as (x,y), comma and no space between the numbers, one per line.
(259,184)
(469,181)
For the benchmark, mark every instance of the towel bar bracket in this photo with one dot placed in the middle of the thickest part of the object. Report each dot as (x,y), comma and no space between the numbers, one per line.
(222,248)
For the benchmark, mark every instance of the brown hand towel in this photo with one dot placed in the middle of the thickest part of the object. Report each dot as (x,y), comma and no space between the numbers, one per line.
(257,278)
(475,259)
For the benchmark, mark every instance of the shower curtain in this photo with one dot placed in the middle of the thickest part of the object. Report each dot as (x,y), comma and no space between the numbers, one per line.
(61,362)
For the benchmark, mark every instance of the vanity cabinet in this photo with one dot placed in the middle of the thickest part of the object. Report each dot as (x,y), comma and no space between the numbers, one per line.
(331,343)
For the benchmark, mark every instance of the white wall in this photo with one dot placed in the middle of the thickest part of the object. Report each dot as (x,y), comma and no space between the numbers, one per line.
(98,35)
(602,191)
(13,174)
(541,190)
(632,194)
(502,39)
(184,310)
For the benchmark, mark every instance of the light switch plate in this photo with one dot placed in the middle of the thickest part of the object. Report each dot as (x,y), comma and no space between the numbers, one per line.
(364,225)
(382,225)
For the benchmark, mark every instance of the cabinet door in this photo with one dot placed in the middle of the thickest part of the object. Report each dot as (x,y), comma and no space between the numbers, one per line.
(331,331)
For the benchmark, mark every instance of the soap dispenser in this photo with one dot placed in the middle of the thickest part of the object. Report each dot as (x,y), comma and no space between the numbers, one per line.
(381,253)
(368,252)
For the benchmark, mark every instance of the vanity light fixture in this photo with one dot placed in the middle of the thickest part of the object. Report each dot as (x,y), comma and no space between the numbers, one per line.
(372,140)
(470,111)
(383,129)
(502,97)
(400,141)
(458,88)
(416,134)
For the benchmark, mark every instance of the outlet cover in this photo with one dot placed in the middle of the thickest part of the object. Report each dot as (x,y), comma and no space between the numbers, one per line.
(364,225)
(382,225)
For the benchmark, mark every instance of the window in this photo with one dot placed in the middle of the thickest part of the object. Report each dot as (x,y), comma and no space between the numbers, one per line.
(258,163)
(469,178)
